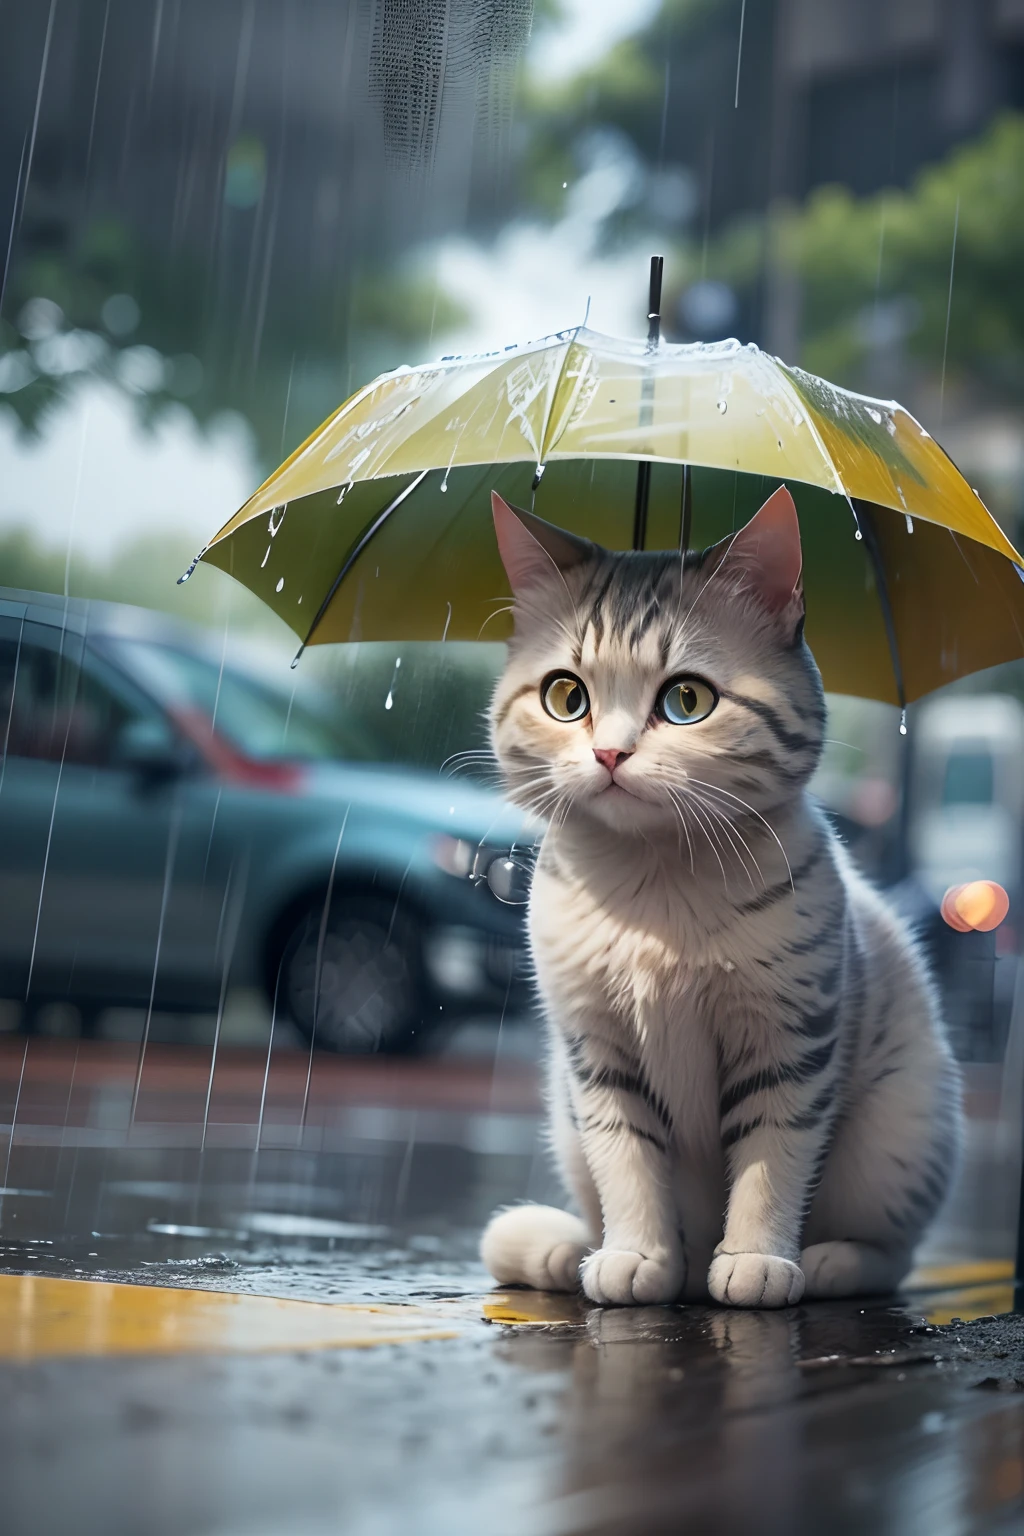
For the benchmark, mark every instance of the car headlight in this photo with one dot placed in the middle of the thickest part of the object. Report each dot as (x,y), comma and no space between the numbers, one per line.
(506,874)
(509,878)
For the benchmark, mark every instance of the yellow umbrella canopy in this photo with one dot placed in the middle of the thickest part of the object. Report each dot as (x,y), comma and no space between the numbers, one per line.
(378,526)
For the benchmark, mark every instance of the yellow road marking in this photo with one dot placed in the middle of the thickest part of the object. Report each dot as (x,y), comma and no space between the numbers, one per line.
(982,1272)
(40,1316)
(977,1301)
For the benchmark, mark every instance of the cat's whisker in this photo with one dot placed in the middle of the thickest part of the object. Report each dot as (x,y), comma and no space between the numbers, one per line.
(704,818)
(733,834)
(682,822)
(745,804)
(690,805)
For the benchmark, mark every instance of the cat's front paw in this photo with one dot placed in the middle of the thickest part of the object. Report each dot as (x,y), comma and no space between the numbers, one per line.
(755,1280)
(618,1277)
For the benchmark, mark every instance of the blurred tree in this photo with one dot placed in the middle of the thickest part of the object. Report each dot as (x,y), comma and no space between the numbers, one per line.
(880,273)
(114,306)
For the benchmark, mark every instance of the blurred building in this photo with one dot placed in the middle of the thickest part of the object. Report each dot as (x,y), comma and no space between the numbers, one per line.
(876,88)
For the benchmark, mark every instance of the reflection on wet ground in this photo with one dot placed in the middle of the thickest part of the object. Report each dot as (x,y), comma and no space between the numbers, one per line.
(485,1412)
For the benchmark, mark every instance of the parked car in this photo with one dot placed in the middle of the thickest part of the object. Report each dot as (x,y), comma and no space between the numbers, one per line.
(172,826)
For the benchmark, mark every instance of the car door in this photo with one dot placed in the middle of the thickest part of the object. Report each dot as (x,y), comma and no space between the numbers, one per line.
(101,866)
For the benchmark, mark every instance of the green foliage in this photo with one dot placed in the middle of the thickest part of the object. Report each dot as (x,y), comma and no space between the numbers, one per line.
(144,572)
(439,696)
(853,255)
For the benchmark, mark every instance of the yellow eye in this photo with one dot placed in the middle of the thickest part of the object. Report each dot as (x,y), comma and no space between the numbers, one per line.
(564,697)
(685,700)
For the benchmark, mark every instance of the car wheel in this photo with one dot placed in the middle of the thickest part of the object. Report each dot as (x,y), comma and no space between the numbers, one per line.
(354,984)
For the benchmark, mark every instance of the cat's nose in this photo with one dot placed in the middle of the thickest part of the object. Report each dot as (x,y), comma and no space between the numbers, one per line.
(610,757)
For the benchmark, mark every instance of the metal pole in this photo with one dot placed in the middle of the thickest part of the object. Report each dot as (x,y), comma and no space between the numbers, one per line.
(685,510)
(643,469)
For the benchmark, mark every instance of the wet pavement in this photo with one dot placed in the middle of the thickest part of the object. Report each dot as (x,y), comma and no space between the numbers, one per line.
(128,1407)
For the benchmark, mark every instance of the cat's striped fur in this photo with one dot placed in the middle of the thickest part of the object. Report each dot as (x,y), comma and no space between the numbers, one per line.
(749,1087)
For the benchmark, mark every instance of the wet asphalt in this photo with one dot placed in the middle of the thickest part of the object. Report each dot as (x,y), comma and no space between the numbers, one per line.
(826,1418)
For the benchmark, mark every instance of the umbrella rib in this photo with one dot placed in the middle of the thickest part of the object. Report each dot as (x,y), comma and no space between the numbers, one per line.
(805,411)
(865,522)
(545,445)
(354,553)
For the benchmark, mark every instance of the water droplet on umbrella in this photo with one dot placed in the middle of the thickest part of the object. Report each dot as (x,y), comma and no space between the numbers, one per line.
(266,557)
(910,523)
(903,722)
(876,416)
(280,585)
(723,406)
(444,482)
(344,491)
(858,535)
(564,185)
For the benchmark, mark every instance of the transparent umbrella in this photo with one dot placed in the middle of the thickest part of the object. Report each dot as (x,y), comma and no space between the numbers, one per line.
(378,526)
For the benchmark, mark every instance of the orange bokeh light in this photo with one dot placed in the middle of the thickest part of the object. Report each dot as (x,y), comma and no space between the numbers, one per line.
(980,905)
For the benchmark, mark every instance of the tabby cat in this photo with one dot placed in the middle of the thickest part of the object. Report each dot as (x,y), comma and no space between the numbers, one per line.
(749,1087)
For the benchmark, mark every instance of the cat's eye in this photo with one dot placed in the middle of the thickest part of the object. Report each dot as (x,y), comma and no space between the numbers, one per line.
(564,697)
(685,700)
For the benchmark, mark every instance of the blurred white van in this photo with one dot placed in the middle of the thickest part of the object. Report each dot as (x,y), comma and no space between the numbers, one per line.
(967,804)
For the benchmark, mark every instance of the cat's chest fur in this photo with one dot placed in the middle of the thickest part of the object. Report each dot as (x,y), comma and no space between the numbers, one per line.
(640,948)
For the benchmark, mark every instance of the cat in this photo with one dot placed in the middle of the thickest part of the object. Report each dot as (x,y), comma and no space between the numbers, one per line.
(737,1022)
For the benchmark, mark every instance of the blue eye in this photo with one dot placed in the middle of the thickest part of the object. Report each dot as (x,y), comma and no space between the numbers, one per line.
(686,700)
(564,697)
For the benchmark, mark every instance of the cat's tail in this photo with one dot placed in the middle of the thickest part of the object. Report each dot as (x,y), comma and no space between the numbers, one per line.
(536,1245)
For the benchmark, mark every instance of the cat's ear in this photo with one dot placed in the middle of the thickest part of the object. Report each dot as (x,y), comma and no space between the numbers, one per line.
(532,550)
(769,549)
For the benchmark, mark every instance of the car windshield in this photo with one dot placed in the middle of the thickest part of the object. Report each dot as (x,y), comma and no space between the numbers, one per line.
(258,720)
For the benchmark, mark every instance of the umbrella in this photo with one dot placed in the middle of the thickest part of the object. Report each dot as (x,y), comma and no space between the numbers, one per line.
(378,526)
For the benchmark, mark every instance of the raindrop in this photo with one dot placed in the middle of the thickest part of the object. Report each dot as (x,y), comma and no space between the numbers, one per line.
(344,491)
(876,416)
(538,476)
(275,528)
(858,535)
(910,523)
(723,406)
(903,722)
(266,557)
(564,185)
(389,701)
(444,482)
(280,585)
